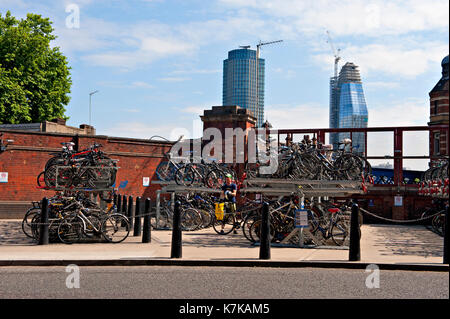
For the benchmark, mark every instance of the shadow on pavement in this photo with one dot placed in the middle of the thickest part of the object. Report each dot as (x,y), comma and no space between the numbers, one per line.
(406,241)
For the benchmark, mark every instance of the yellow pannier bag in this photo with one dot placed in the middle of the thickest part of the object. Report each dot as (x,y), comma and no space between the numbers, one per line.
(219,211)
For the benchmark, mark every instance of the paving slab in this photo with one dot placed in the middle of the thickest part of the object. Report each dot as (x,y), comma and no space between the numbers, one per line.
(380,244)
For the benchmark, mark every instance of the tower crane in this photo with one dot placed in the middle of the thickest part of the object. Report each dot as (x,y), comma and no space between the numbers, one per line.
(260,44)
(258,49)
(336,54)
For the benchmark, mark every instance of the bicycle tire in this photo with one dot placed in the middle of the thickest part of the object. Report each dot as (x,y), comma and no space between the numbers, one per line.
(165,171)
(163,222)
(215,178)
(248,222)
(70,229)
(190,219)
(115,228)
(27,225)
(226,225)
(255,231)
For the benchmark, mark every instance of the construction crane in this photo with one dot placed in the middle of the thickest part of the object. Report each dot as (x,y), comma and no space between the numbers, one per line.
(258,48)
(260,44)
(336,54)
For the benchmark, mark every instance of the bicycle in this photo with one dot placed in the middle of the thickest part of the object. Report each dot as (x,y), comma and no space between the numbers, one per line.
(114,227)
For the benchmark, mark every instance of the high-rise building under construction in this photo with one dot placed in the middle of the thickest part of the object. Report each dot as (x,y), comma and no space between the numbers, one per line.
(348,107)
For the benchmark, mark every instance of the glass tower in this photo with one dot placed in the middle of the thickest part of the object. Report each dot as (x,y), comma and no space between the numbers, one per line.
(241,86)
(348,107)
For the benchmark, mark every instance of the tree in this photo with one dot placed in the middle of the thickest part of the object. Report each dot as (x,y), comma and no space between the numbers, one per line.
(34,78)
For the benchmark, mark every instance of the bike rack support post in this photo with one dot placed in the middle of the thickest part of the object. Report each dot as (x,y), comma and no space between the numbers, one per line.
(176,249)
(355,247)
(137,218)
(43,227)
(264,248)
(446,237)
(146,232)
(130,211)
(158,207)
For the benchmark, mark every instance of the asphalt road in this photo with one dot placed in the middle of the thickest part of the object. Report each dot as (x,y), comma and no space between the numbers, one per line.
(169,282)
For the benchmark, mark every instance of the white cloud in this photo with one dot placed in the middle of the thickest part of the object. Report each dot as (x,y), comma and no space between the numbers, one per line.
(137,130)
(400,113)
(353,17)
(174,79)
(301,116)
(406,60)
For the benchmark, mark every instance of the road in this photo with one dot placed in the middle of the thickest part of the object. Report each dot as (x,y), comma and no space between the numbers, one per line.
(169,282)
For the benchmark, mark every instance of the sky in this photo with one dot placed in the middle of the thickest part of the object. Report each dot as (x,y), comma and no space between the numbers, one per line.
(157,64)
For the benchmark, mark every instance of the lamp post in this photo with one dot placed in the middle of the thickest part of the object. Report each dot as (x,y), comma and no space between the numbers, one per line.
(90,96)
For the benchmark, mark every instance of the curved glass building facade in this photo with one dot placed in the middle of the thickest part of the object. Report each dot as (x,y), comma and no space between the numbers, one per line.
(348,107)
(241,85)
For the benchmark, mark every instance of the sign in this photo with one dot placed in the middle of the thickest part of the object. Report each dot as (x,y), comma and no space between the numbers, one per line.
(301,218)
(398,201)
(3,177)
(146,181)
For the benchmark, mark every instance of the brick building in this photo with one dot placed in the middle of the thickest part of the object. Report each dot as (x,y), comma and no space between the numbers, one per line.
(439,114)
(25,157)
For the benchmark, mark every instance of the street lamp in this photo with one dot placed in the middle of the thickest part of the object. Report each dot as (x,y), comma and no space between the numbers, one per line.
(90,96)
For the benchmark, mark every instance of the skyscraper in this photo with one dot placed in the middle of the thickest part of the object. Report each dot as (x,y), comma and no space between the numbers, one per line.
(243,82)
(348,107)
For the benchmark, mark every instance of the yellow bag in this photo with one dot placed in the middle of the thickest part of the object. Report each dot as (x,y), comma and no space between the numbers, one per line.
(219,211)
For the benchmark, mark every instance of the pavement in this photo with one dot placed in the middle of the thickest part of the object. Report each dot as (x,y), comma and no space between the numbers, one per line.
(396,247)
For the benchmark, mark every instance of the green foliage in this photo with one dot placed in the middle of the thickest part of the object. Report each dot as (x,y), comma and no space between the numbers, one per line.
(34,78)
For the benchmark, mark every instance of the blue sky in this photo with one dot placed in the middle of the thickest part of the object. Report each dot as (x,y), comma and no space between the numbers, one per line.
(158,63)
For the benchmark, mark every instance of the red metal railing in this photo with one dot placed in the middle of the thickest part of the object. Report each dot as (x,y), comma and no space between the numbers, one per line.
(398,156)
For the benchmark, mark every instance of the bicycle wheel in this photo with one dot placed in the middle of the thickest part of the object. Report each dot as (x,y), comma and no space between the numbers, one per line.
(215,179)
(190,219)
(27,221)
(226,225)
(115,228)
(340,232)
(164,220)
(184,176)
(248,222)
(70,229)
(207,218)
(255,231)
(164,171)
(40,179)
(93,227)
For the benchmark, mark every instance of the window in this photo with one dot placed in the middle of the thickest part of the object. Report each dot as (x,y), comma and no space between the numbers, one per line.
(437,142)
(435,107)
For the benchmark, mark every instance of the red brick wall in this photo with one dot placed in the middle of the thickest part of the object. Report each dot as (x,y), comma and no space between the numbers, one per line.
(439,114)
(26,157)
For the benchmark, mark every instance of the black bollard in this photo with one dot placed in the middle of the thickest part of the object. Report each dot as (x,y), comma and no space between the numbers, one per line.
(355,247)
(264,248)
(176,251)
(146,232)
(43,227)
(115,200)
(124,205)
(119,204)
(130,211)
(137,218)
(446,237)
